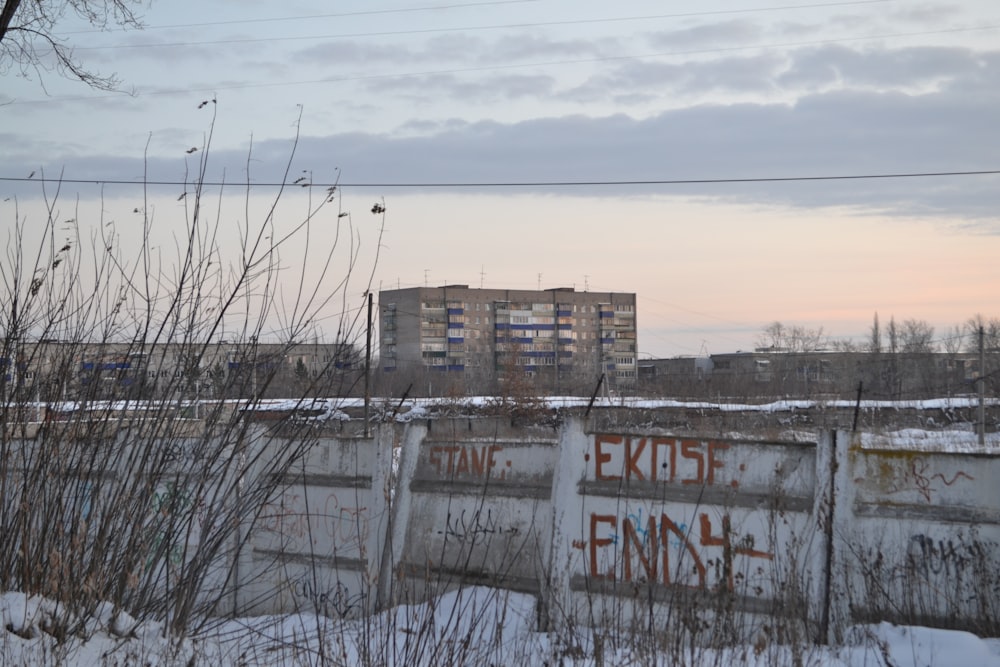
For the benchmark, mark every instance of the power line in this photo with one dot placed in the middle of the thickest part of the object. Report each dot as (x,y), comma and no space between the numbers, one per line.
(519,184)
(488,68)
(312,17)
(512,66)
(463,29)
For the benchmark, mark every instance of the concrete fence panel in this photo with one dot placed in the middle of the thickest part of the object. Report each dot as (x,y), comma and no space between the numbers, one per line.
(473,507)
(918,537)
(647,523)
(317,544)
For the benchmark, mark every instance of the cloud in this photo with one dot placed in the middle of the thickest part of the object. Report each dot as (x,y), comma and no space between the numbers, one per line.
(483,89)
(724,34)
(514,48)
(786,75)
(898,69)
(732,75)
(336,54)
(861,129)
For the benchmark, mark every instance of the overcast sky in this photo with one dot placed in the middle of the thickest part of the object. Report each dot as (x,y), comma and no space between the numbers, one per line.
(438,106)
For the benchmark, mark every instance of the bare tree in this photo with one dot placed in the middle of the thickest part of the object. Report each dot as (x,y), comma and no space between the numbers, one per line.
(847,346)
(991,332)
(952,341)
(29,41)
(773,336)
(875,337)
(780,338)
(916,337)
(892,331)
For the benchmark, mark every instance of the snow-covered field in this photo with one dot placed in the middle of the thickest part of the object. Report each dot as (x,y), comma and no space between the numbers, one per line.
(474,626)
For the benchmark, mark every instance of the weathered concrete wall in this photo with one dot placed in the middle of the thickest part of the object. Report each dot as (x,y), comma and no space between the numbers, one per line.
(918,538)
(610,523)
(473,505)
(647,521)
(317,546)
(605,521)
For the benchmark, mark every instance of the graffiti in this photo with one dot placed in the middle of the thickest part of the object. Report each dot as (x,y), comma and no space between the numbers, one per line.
(284,518)
(918,470)
(174,511)
(467,460)
(346,526)
(163,548)
(169,499)
(179,451)
(927,556)
(647,549)
(476,528)
(658,459)
(334,601)
(916,478)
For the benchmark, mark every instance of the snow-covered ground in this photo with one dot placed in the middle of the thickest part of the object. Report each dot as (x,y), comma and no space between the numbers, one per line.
(474,626)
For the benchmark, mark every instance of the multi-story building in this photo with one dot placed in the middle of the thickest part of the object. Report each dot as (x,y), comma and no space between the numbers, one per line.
(474,339)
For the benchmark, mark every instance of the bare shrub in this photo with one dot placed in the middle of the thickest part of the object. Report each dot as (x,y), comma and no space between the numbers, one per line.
(128,470)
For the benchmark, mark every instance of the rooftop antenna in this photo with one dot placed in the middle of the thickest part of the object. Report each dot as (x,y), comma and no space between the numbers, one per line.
(426,271)
(586,283)
(539,282)
(482,275)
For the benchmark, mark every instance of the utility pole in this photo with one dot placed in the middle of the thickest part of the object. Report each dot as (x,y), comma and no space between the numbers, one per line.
(368,361)
(982,388)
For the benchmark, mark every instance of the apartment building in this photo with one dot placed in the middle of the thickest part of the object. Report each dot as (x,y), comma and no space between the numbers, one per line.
(563,340)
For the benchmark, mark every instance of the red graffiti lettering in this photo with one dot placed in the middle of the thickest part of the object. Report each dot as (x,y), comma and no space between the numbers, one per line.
(655,459)
(465,460)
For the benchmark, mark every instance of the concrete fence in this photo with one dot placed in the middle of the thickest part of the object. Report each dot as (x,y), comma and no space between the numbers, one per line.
(609,524)
(318,545)
(917,538)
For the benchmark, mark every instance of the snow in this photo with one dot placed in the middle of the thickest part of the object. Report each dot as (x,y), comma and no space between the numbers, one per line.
(471,626)
(919,440)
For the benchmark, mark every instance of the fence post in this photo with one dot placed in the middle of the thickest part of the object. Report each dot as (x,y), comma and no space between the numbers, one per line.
(824,505)
(842,494)
(399,516)
(567,522)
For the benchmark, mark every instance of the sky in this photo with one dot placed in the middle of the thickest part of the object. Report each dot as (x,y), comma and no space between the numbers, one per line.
(637,146)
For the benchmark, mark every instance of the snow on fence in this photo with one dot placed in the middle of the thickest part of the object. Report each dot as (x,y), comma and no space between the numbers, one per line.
(623,525)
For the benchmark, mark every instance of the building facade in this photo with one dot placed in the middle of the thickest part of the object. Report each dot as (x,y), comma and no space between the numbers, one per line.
(775,373)
(474,340)
(75,370)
